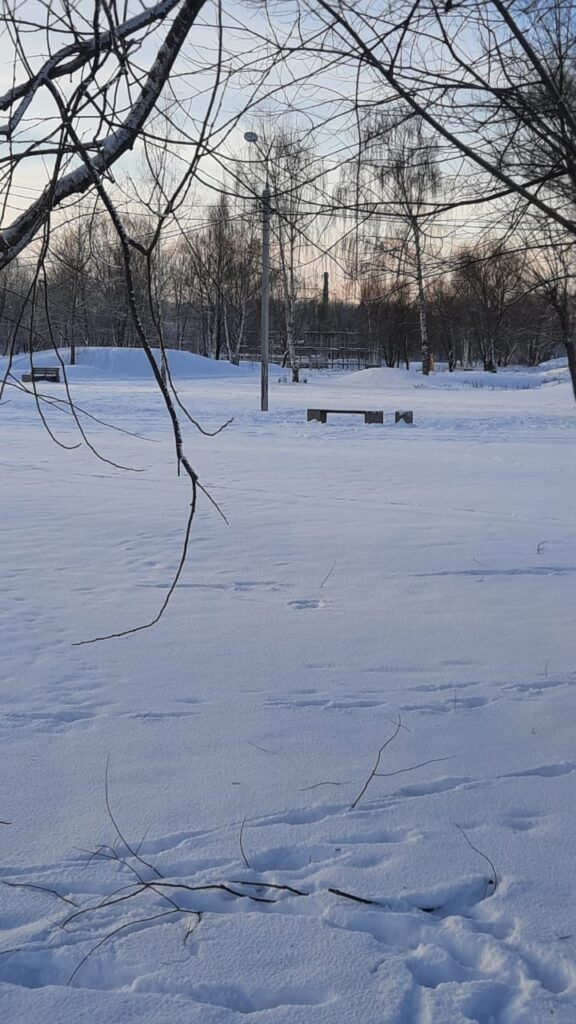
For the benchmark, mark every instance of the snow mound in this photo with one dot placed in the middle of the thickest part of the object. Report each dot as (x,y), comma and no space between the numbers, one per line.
(512,377)
(130,363)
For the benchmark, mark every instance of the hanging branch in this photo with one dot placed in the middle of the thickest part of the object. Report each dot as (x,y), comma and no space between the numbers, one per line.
(21,232)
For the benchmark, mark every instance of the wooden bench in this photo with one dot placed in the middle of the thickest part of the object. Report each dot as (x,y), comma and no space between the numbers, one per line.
(51,373)
(321,415)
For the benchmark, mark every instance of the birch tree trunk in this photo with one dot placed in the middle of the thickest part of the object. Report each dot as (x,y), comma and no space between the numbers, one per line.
(422,302)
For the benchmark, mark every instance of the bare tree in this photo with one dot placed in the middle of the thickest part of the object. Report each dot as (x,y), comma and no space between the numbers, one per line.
(552,272)
(388,313)
(243,283)
(69,259)
(491,280)
(449,322)
(14,288)
(401,159)
(224,257)
(500,89)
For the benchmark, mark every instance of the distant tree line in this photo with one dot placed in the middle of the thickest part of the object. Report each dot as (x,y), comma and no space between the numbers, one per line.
(490,305)
(415,141)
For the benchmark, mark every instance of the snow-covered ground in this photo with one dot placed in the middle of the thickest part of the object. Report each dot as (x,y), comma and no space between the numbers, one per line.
(373,581)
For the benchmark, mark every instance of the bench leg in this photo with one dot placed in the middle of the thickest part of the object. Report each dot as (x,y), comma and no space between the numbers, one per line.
(316,414)
(405,417)
(373,417)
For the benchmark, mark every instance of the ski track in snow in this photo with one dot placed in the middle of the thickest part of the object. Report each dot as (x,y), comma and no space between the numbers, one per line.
(356,593)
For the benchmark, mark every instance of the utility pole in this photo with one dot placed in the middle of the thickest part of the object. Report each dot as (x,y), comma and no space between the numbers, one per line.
(265,307)
(265,310)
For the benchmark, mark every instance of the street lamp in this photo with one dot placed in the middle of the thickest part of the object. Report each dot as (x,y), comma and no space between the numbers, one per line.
(265,306)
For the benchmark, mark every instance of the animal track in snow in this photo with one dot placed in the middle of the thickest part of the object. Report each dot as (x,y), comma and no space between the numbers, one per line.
(545,771)
(300,815)
(450,941)
(523,820)
(537,689)
(487,1002)
(378,837)
(290,858)
(304,604)
(443,785)
(325,703)
(441,687)
(456,704)
(239,999)
(54,720)
(158,716)
(537,570)
(236,586)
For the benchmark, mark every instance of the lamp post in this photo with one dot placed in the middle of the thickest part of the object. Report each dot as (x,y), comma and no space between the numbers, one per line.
(265,302)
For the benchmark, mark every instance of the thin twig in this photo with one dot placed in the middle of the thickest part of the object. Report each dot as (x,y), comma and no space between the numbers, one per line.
(190,931)
(413,767)
(269,885)
(62,405)
(377,763)
(110,935)
(242,850)
(317,785)
(120,835)
(264,750)
(491,881)
(40,888)
(108,901)
(171,589)
(193,926)
(209,887)
(213,502)
(328,574)
(355,899)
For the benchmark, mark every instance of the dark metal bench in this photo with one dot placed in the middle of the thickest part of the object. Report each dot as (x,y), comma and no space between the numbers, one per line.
(321,415)
(51,373)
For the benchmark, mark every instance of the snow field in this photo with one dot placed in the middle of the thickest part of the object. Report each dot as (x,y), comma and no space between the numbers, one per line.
(369,575)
